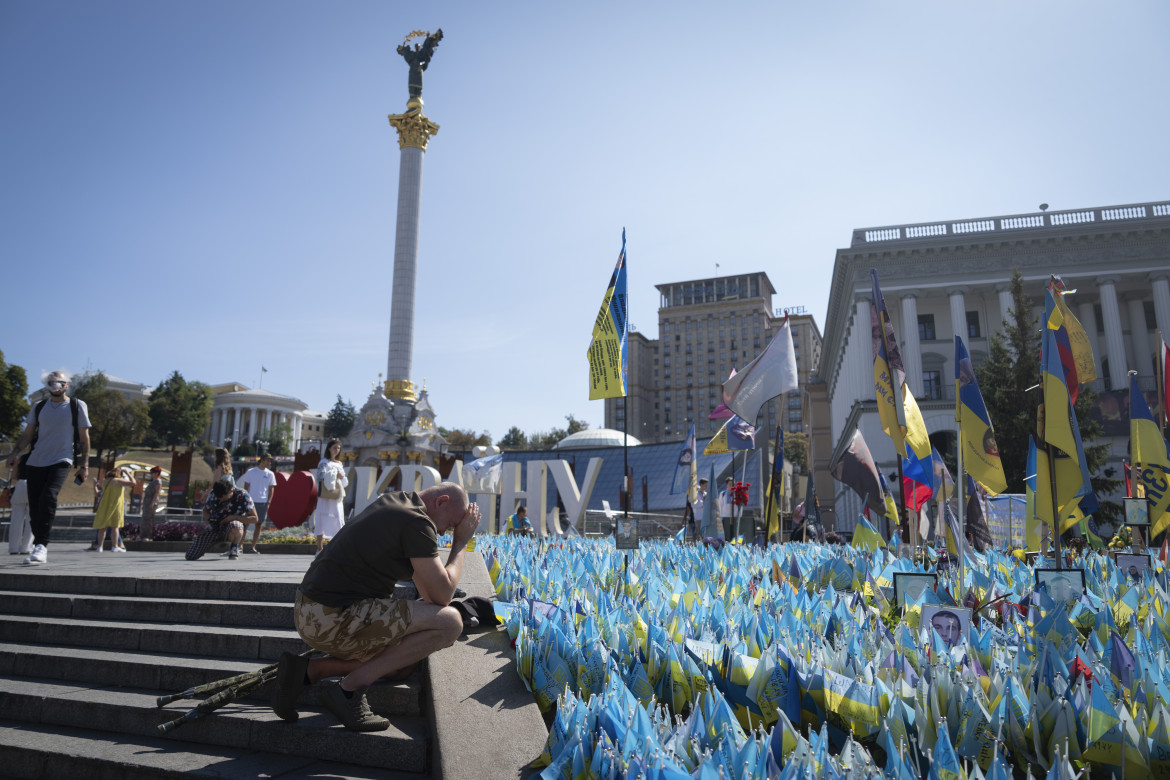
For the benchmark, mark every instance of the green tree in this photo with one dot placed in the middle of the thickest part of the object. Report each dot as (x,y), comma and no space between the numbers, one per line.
(514,439)
(340,420)
(459,439)
(115,423)
(13,403)
(1009,379)
(180,410)
(279,438)
(575,425)
(796,450)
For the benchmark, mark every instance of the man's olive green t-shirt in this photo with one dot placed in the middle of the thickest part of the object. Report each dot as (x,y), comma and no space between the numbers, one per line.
(372,552)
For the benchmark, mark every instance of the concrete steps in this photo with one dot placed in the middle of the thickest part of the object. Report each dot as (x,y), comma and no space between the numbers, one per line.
(83,659)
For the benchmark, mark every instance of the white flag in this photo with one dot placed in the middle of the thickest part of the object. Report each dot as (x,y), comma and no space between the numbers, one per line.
(769,375)
(483,475)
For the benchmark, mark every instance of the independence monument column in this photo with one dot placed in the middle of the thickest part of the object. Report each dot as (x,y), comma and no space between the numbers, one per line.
(414,130)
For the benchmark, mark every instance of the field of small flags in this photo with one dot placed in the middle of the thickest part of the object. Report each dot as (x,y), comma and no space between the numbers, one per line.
(679,660)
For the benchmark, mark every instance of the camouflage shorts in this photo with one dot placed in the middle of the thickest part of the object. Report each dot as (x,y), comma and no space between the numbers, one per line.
(357,632)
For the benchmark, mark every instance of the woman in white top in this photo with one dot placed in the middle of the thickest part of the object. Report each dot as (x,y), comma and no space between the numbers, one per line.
(330,515)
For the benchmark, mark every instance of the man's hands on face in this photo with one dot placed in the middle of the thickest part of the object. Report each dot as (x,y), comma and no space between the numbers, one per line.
(466,527)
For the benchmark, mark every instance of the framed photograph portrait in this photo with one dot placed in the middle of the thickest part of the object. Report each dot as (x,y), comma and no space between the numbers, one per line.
(1132,565)
(1063,584)
(911,584)
(626,533)
(1137,512)
(951,623)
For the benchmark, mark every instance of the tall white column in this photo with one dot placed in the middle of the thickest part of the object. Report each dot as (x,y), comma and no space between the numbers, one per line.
(1004,292)
(958,312)
(398,364)
(1160,283)
(1139,338)
(1088,318)
(912,351)
(863,362)
(1114,343)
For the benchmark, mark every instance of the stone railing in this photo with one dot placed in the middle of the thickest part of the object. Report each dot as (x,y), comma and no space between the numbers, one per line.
(1018,222)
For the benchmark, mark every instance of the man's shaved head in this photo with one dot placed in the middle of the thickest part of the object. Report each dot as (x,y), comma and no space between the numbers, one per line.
(446,504)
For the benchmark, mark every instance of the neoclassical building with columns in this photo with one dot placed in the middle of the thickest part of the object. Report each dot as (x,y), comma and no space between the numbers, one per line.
(240,415)
(943,278)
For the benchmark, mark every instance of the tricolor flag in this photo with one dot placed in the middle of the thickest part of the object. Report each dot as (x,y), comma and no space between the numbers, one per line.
(1078,339)
(1150,462)
(608,352)
(769,375)
(976,436)
(684,471)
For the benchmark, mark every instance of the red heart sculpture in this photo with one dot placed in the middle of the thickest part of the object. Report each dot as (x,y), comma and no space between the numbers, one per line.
(293,499)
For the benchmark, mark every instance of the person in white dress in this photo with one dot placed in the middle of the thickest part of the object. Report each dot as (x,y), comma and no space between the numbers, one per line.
(330,515)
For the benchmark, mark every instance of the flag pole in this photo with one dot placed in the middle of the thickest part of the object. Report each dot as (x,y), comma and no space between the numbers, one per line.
(625,455)
(960,485)
(772,483)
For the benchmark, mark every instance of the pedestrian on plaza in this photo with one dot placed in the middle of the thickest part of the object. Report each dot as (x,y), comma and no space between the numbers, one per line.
(19,528)
(259,482)
(111,513)
(226,510)
(57,429)
(150,496)
(726,506)
(331,485)
(97,500)
(223,467)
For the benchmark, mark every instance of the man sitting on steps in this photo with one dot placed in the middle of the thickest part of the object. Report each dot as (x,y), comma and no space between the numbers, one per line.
(345,605)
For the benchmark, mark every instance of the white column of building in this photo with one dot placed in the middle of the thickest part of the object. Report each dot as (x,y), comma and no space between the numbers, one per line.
(912,351)
(213,427)
(1160,283)
(862,386)
(1139,338)
(1114,342)
(1004,292)
(297,424)
(1088,318)
(958,312)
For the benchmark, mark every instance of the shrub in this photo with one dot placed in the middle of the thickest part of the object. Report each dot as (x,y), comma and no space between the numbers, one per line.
(176,532)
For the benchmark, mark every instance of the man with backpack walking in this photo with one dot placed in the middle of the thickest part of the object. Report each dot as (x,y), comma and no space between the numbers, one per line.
(58,432)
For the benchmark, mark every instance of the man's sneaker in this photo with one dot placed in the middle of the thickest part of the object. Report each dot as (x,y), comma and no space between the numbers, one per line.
(251,551)
(233,553)
(290,684)
(38,555)
(354,713)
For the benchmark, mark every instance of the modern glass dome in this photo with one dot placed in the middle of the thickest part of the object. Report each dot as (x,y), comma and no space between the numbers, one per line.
(594,437)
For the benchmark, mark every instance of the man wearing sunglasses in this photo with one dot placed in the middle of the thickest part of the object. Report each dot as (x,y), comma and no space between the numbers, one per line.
(58,439)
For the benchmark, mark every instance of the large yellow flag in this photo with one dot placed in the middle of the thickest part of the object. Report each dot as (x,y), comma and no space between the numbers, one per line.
(718,443)
(1150,461)
(608,352)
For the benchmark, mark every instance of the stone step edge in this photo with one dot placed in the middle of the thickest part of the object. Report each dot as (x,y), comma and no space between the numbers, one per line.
(208,668)
(205,628)
(134,599)
(317,728)
(44,580)
(92,752)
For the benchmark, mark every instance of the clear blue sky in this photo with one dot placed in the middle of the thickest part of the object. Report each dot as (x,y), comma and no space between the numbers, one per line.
(211,186)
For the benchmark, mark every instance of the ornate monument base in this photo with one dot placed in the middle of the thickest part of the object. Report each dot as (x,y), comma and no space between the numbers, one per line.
(395,429)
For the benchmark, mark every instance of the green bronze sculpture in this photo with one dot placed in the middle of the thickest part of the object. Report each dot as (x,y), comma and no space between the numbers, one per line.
(419,57)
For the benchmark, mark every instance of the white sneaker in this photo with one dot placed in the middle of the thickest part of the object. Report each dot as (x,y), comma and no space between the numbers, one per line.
(119,549)
(38,555)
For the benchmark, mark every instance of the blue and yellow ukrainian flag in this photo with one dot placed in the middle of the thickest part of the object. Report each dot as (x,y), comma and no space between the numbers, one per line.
(1058,414)
(866,536)
(976,436)
(608,352)
(1149,457)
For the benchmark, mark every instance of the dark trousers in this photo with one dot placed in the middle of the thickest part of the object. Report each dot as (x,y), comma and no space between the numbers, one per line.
(44,483)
